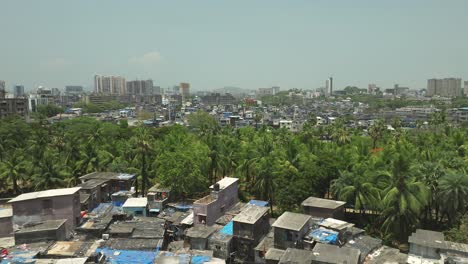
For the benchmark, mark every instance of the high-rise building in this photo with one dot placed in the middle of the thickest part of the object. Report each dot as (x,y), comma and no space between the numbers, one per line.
(2,89)
(447,87)
(185,90)
(465,88)
(329,87)
(114,85)
(140,87)
(73,89)
(18,91)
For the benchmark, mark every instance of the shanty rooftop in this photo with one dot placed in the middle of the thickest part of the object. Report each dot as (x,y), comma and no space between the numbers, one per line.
(251,214)
(322,203)
(93,183)
(200,231)
(335,224)
(107,176)
(45,194)
(225,182)
(136,202)
(42,226)
(6,212)
(274,254)
(324,253)
(292,255)
(291,221)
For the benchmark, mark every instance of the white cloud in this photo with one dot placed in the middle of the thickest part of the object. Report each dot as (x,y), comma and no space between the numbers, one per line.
(149,58)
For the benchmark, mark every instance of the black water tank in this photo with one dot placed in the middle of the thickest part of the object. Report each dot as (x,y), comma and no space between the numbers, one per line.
(216,187)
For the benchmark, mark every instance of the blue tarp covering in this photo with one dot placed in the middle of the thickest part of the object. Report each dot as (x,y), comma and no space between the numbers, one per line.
(325,236)
(200,259)
(259,203)
(183,207)
(128,256)
(228,229)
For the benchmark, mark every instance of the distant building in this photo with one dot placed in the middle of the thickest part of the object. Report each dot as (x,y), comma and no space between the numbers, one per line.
(267,91)
(448,87)
(218,99)
(140,87)
(373,89)
(185,91)
(465,89)
(114,85)
(73,89)
(18,91)
(329,87)
(13,106)
(398,90)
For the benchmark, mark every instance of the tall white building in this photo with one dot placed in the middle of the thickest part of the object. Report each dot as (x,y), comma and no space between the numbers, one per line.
(114,85)
(329,87)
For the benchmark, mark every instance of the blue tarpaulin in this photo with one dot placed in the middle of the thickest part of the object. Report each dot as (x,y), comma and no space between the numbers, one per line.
(325,236)
(199,259)
(128,256)
(228,229)
(183,207)
(259,203)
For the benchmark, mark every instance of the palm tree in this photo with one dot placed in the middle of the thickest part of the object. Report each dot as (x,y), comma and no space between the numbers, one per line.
(14,170)
(376,132)
(403,198)
(51,174)
(453,194)
(143,149)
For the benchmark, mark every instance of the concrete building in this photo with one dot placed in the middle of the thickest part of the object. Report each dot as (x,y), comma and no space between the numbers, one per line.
(18,91)
(114,85)
(158,197)
(198,236)
(329,87)
(218,99)
(447,87)
(185,91)
(2,85)
(465,88)
(297,256)
(136,206)
(224,195)
(329,254)
(289,229)
(249,226)
(13,106)
(46,230)
(73,89)
(140,87)
(430,247)
(48,205)
(6,222)
(323,208)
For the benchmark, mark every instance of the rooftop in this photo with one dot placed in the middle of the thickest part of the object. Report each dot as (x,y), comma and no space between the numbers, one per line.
(71,249)
(45,194)
(143,244)
(108,176)
(200,231)
(6,212)
(335,224)
(332,254)
(291,221)
(136,202)
(225,182)
(42,226)
(274,254)
(322,203)
(93,183)
(296,256)
(251,214)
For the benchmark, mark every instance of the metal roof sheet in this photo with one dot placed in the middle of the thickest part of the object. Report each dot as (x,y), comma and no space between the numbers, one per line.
(45,194)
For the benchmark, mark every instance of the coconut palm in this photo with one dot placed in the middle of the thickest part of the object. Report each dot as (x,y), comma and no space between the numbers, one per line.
(453,194)
(13,170)
(141,142)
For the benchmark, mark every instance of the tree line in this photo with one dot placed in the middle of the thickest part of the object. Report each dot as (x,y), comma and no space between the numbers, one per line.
(394,180)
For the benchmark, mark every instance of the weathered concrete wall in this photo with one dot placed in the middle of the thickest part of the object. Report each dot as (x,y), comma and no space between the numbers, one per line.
(6,226)
(198,243)
(59,234)
(63,207)
(288,238)
(324,212)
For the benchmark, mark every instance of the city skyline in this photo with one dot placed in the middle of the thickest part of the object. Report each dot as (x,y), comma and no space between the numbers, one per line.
(250,45)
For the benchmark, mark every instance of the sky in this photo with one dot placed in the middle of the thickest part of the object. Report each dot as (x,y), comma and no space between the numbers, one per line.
(243,43)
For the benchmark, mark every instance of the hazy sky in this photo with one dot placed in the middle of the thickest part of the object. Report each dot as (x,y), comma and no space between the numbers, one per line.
(243,43)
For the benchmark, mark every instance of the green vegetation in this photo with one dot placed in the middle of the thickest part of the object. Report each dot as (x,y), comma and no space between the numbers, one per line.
(396,180)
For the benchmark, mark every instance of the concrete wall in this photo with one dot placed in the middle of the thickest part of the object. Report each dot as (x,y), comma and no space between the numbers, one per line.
(6,226)
(295,241)
(427,252)
(221,249)
(135,211)
(337,213)
(227,197)
(63,207)
(198,243)
(59,234)
(255,231)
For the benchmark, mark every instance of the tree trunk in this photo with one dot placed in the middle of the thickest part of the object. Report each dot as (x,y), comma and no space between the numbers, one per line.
(143,174)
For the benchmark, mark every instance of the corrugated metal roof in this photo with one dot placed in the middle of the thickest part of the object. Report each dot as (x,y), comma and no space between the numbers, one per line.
(45,194)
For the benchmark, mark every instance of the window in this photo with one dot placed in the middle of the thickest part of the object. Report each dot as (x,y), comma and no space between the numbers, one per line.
(138,212)
(202,219)
(289,236)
